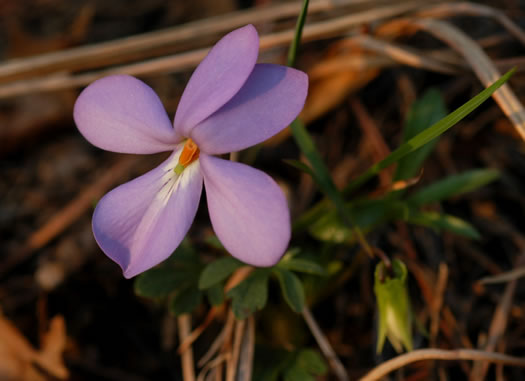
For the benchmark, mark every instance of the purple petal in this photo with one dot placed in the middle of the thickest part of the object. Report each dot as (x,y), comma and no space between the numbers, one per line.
(218,77)
(247,209)
(271,98)
(140,223)
(120,113)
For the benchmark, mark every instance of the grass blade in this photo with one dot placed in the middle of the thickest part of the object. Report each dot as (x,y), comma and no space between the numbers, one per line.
(429,134)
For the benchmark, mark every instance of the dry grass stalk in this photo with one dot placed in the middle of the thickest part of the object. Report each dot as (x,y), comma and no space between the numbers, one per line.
(188,60)
(184,325)
(71,212)
(233,361)
(473,9)
(336,365)
(245,367)
(404,55)
(498,326)
(439,354)
(437,304)
(144,45)
(482,66)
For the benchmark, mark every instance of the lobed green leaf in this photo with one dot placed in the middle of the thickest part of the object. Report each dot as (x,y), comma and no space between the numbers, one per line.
(251,294)
(291,287)
(217,271)
(160,282)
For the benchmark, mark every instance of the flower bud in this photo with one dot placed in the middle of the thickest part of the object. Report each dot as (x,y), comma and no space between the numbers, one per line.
(393,303)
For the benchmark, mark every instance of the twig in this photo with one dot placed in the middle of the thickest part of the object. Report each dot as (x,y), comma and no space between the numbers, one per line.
(473,9)
(507,276)
(325,346)
(440,354)
(369,127)
(438,302)
(219,340)
(74,210)
(187,60)
(244,370)
(212,364)
(188,370)
(147,44)
(233,361)
(214,311)
(498,326)
(404,54)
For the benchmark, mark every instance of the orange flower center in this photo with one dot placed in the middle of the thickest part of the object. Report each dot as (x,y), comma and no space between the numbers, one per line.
(190,153)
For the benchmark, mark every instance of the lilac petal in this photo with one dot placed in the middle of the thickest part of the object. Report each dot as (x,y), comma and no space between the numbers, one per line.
(140,223)
(217,78)
(120,113)
(248,211)
(271,98)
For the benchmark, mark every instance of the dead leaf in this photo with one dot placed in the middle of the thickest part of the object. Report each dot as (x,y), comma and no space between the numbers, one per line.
(20,361)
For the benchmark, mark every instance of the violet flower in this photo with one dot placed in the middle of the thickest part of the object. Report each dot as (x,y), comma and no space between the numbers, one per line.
(229,104)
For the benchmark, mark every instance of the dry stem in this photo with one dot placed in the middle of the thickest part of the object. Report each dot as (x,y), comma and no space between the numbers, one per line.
(440,354)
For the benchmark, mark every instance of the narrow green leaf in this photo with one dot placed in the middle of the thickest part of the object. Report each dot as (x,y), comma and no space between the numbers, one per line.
(217,271)
(215,294)
(439,221)
(453,186)
(302,265)
(429,134)
(321,174)
(160,282)
(291,287)
(186,301)
(251,294)
(426,111)
(292,53)
(300,166)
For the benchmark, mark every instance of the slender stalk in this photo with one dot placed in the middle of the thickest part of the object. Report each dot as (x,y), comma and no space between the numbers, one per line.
(325,346)
(383,369)
(292,53)
(188,370)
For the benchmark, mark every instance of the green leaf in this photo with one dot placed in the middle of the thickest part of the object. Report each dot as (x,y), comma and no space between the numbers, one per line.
(291,287)
(217,271)
(295,373)
(454,186)
(251,294)
(214,242)
(367,214)
(292,53)
(184,255)
(215,294)
(439,221)
(429,134)
(161,281)
(311,361)
(426,111)
(186,301)
(270,363)
(302,265)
